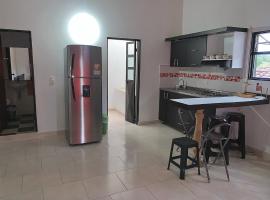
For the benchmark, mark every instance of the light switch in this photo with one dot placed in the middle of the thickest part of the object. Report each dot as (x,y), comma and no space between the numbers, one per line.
(51,80)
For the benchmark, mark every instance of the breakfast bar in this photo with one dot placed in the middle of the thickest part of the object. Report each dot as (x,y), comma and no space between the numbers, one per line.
(200,104)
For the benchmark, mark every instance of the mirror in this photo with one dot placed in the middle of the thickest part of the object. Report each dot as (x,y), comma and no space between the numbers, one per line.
(19,64)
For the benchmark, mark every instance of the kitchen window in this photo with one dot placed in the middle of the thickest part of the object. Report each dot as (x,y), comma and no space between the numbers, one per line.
(260,56)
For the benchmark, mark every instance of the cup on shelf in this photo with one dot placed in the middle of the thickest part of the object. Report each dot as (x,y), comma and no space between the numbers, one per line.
(225,56)
(206,57)
(212,57)
(218,56)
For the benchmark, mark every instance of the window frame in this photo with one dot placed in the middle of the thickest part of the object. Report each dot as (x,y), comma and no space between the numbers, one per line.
(253,54)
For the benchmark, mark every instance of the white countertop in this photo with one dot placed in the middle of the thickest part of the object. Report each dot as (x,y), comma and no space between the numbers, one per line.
(217,100)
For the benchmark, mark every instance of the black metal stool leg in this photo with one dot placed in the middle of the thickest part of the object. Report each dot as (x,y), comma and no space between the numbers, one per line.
(205,164)
(207,151)
(170,158)
(226,148)
(224,159)
(242,139)
(198,160)
(183,162)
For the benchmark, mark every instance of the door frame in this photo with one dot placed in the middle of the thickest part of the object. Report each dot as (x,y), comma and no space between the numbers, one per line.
(30,49)
(138,74)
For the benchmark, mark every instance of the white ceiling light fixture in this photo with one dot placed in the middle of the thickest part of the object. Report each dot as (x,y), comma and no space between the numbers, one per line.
(84,29)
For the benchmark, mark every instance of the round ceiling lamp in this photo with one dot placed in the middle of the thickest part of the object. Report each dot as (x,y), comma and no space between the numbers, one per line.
(84,29)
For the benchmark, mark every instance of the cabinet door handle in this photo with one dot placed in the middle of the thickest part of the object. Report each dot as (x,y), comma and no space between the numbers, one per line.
(174,62)
(194,50)
(167,95)
(177,62)
(193,64)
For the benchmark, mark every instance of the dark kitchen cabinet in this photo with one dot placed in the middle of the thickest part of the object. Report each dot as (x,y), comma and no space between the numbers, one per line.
(188,52)
(172,118)
(178,53)
(168,111)
(163,105)
(196,49)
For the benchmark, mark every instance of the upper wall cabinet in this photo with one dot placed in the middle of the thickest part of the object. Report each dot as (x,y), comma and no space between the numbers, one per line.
(224,47)
(188,52)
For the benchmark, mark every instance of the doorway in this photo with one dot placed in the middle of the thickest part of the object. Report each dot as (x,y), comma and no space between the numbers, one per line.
(17,94)
(124,77)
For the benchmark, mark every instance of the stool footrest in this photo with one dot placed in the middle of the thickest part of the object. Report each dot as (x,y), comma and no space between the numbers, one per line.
(179,157)
(186,167)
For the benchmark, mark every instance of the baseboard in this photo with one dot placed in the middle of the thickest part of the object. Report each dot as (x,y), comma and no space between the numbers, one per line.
(148,122)
(262,154)
(117,111)
(52,132)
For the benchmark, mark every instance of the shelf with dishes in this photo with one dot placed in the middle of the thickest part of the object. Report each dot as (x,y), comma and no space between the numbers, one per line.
(218,60)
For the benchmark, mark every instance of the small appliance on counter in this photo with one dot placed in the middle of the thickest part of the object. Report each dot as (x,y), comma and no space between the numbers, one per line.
(83,79)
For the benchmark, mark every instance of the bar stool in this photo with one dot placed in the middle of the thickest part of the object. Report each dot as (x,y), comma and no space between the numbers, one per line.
(240,118)
(221,140)
(224,131)
(184,143)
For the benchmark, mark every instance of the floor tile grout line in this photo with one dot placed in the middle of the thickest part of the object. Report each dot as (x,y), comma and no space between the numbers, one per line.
(43,193)
(61,177)
(21,187)
(147,189)
(85,189)
(125,187)
(194,194)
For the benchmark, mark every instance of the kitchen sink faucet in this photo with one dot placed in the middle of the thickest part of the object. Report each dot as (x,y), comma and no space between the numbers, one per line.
(181,84)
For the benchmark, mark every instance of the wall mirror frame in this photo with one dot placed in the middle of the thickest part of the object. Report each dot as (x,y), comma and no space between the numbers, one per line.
(17,88)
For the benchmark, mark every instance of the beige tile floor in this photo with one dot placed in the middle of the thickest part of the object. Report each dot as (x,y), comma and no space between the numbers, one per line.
(129,164)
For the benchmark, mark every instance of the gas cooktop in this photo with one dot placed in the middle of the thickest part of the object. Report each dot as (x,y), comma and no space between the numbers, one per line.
(202,92)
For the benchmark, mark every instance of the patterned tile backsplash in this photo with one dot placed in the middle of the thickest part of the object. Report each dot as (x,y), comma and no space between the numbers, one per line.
(169,77)
(208,76)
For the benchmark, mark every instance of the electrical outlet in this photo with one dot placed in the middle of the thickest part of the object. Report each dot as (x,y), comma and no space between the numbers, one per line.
(51,80)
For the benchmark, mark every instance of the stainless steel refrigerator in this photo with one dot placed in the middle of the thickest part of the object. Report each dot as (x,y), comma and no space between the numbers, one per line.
(83,94)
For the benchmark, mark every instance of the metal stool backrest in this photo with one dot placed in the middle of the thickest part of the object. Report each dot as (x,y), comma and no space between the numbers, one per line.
(220,123)
(211,134)
(187,126)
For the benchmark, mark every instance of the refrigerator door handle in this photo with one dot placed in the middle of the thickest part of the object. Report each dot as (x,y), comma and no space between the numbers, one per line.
(72,65)
(72,88)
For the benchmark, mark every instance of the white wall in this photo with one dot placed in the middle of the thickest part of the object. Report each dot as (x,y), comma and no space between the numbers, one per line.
(117,74)
(209,14)
(148,20)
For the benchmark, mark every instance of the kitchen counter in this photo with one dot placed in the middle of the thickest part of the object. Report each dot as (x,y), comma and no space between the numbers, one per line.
(183,92)
(219,102)
(197,92)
